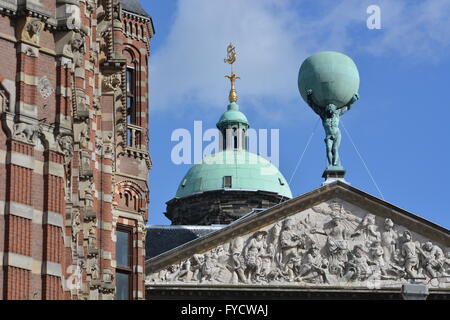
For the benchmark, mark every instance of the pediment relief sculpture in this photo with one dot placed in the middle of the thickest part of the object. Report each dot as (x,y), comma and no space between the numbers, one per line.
(332,244)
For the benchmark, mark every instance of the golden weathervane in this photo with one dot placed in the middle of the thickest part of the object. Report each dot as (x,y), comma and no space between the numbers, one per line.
(231,59)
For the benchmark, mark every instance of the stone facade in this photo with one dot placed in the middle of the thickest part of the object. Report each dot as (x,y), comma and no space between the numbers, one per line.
(73,167)
(334,239)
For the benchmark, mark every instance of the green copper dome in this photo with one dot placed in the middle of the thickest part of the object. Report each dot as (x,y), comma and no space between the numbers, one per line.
(232,115)
(234,170)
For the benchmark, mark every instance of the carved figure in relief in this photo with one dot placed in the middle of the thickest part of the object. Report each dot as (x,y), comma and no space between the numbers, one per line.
(252,254)
(171,273)
(196,265)
(290,241)
(267,261)
(292,267)
(336,209)
(389,240)
(94,270)
(66,145)
(344,247)
(92,236)
(446,263)
(357,267)
(431,258)
(409,254)
(28,132)
(33,30)
(237,264)
(313,267)
(76,225)
(45,87)
(336,245)
(78,48)
(84,134)
(185,272)
(89,194)
(379,265)
(112,82)
(210,269)
(368,229)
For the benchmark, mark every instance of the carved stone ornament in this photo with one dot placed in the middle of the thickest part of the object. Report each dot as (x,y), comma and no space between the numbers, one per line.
(70,16)
(112,83)
(81,108)
(84,136)
(334,244)
(45,87)
(32,31)
(66,144)
(77,48)
(76,226)
(85,167)
(27,132)
(4,101)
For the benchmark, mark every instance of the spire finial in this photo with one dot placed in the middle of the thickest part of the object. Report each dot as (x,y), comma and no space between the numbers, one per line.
(231,59)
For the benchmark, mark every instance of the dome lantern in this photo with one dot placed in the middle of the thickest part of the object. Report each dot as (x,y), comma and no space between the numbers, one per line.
(231,183)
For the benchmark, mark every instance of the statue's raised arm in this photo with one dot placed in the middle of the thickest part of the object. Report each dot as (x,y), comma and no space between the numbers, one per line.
(317,109)
(349,105)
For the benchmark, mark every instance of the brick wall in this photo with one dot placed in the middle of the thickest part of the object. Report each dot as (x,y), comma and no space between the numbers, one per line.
(64,150)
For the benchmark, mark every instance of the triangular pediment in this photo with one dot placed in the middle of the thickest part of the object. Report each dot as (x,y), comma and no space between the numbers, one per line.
(335,236)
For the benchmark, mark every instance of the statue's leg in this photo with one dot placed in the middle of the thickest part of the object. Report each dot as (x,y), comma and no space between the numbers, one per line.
(329,144)
(335,148)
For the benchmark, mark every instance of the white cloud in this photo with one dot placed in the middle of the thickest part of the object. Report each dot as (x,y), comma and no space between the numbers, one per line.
(273,37)
(415,29)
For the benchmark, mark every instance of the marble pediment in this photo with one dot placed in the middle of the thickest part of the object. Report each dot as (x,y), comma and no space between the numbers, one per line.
(335,236)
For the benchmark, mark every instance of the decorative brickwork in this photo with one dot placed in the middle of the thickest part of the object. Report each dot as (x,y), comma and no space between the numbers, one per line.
(71,145)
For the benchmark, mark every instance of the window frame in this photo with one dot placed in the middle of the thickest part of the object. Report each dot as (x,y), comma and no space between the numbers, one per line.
(131,93)
(129,269)
(225,185)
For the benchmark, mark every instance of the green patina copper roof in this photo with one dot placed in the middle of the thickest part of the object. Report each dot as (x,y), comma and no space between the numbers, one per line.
(248,171)
(333,77)
(232,115)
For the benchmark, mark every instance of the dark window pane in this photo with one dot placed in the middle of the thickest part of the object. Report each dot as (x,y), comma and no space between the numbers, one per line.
(227,182)
(122,249)
(122,286)
(130,110)
(130,103)
(130,137)
(130,79)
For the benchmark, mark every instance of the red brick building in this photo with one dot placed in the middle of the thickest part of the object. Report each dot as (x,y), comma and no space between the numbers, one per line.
(74,160)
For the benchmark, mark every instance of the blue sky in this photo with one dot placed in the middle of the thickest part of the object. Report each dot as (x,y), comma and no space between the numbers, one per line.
(400,126)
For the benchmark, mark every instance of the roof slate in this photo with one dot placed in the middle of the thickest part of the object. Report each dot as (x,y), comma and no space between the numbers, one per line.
(161,239)
(134,6)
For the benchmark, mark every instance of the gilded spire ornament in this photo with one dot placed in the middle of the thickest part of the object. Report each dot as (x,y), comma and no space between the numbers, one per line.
(231,59)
